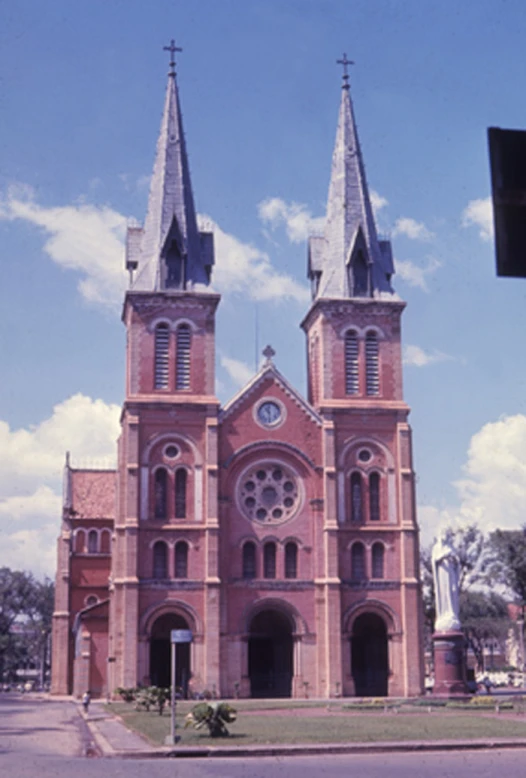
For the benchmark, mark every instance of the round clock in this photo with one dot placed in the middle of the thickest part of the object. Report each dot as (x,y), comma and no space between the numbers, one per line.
(269,413)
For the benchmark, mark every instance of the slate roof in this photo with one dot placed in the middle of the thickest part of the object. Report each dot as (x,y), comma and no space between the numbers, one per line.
(349,220)
(171,211)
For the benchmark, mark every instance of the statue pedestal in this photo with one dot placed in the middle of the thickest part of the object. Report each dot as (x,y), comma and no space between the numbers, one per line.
(450,664)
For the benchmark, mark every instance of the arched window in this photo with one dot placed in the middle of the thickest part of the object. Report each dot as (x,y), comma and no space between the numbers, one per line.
(93,541)
(80,540)
(160,493)
(358,562)
(160,560)
(378,560)
(180,493)
(374,497)
(162,344)
(356,498)
(372,378)
(182,365)
(351,363)
(360,276)
(105,538)
(181,559)
(291,560)
(269,560)
(249,560)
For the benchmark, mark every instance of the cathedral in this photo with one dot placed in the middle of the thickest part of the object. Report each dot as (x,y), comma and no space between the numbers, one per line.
(279,530)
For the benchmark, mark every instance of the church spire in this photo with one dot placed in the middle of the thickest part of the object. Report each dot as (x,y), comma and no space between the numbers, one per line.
(349,260)
(169,252)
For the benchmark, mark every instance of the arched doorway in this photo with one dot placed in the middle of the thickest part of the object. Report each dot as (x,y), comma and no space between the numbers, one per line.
(160,670)
(369,656)
(270,662)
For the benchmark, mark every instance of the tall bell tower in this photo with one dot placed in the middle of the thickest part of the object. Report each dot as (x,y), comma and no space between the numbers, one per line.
(354,366)
(166,520)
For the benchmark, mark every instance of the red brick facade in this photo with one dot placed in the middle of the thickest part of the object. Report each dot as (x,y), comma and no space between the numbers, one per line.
(280,531)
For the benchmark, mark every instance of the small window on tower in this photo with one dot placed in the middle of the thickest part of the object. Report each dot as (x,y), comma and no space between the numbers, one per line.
(374,497)
(93,541)
(372,378)
(162,343)
(160,493)
(358,562)
(291,560)
(356,498)
(181,478)
(181,559)
(182,367)
(160,560)
(351,363)
(360,276)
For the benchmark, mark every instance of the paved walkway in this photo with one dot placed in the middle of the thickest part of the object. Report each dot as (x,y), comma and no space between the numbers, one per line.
(113,739)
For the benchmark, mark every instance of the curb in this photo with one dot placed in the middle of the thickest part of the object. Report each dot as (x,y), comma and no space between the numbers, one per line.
(383,747)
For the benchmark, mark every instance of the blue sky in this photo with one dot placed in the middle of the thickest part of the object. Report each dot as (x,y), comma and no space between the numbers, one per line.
(81,93)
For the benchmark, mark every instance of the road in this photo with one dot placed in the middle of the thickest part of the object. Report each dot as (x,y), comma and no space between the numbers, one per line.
(41,739)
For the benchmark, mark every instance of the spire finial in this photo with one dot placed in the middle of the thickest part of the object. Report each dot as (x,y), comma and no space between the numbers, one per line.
(172,48)
(345,62)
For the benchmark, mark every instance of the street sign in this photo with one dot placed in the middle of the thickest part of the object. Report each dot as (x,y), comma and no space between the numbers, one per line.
(181,636)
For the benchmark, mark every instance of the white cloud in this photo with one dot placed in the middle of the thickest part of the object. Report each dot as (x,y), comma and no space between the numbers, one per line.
(85,238)
(414,275)
(492,492)
(296,218)
(31,463)
(243,269)
(239,372)
(479,213)
(417,357)
(90,240)
(412,229)
(377,201)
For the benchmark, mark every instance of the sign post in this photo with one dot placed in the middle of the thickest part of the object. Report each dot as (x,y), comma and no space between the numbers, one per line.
(176,636)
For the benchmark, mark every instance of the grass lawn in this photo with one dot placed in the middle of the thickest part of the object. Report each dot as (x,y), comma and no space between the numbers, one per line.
(319,726)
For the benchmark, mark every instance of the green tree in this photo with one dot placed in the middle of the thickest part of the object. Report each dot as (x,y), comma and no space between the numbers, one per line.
(506,564)
(484,619)
(26,608)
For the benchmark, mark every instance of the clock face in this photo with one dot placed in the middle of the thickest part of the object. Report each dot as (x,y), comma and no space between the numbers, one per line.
(269,413)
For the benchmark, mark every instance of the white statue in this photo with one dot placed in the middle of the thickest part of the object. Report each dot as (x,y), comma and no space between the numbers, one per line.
(445,576)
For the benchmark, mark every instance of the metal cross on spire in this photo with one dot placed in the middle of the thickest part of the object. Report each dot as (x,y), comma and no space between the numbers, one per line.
(172,48)
(345,62)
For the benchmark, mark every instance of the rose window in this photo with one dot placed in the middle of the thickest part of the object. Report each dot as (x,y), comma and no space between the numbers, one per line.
(268,493)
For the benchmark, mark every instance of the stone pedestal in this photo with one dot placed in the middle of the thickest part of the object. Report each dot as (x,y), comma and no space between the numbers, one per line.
(450,664)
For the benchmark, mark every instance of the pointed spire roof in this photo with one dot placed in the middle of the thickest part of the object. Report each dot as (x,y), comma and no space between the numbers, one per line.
(350,232)
(169,252)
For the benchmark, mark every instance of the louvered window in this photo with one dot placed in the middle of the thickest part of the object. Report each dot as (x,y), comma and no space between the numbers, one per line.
(291,560)
(162,348)
(269,560)
(372,380)
(356,498)
(374,497)
(249,560)
(180,493)
(351,363)
(160,567)
(358,562)
(378,560)
(182,369)
(160,493)
(181,559)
